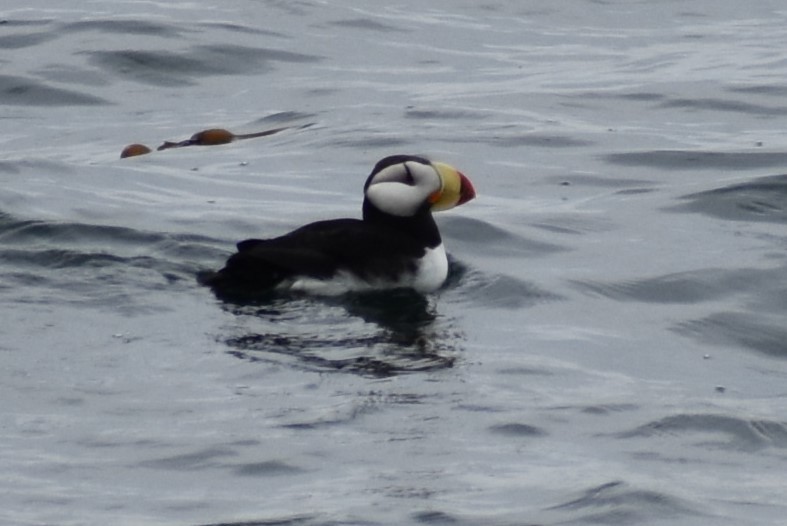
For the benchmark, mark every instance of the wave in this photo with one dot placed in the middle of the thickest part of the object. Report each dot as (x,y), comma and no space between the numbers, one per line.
(762,333)
(715,431)
(24,91)
(617,502)
(78,263)
(694,286)
(762,199)
(698,159)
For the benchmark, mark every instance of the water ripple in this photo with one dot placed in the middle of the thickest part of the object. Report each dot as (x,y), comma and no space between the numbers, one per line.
(475,235)
(373,334)
(762,199)
(618,503)
(758,332)
(715,430)
(78,263)
(135,26)
(710,104)
(29,92)
(169,68)
(698,159)
(683,287)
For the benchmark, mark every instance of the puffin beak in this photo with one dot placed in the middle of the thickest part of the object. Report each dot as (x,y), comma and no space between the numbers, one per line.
(456,188)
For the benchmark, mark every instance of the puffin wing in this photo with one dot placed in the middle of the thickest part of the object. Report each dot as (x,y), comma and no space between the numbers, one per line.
(319,250)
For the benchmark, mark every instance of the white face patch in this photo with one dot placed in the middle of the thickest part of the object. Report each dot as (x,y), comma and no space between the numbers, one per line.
(403,188)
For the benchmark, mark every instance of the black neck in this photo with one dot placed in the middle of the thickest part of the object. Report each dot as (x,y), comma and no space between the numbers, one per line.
(420,226)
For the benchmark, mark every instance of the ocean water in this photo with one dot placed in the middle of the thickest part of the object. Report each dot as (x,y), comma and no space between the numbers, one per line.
(611,347)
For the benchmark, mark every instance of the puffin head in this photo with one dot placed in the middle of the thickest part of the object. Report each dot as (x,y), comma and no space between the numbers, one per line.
(401,185)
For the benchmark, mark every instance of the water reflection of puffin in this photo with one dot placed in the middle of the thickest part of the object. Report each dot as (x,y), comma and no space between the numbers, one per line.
(395,245)
(383,333)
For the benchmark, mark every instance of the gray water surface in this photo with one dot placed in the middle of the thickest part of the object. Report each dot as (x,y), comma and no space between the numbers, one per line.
(609,349)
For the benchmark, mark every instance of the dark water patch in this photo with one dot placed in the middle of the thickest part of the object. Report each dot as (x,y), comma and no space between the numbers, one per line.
(121,288)
(760,333)
(322,92)
(637,96)
(774,90)
(376,356)
(242,29)
(92,278)
(299,520)
(641,96)
(517,430)
(525,139)
(9,167)
(716,431)
(635,191)
(27,92)
(270,468)
(21,41)
(539,140)
(284,117)
(698,160)
(607,409)
(762,199)
(24,22)
(62,259)
(573,226)
(375,334)
(433,114)
(397,309)
(159,68)
(72,75)
(125,26)
(722,105)
(367,24)
(97,266)
(582,180)
(35,232)
(501,292)
(205,459)
(169,68)
(240,55)
(618,503)
(371,139)
(434,517)
(598,410)
(683,287)
(466,234)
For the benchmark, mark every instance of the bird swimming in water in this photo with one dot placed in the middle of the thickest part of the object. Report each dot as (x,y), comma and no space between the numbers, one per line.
(395,245)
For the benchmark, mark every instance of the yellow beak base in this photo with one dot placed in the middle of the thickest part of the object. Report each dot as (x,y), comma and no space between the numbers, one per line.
(456,188)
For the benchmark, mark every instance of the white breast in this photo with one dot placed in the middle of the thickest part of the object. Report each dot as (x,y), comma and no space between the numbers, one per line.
(431,271)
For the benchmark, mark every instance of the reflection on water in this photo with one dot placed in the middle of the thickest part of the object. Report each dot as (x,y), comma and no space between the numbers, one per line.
(376,334)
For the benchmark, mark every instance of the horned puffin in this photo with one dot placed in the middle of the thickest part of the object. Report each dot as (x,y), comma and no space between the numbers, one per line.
(395,245)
